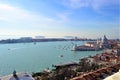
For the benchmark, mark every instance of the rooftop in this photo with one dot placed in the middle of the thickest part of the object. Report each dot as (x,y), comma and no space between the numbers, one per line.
(67,64)
(115,76)
(20,76)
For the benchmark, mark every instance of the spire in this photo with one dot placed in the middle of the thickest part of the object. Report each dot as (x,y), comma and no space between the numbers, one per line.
(105,42)
(105,38)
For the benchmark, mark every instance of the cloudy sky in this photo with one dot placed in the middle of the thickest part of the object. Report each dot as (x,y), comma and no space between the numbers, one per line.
(58,18)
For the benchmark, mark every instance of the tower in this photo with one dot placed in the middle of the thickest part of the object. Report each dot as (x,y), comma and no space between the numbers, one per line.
(99,43)
(105,43)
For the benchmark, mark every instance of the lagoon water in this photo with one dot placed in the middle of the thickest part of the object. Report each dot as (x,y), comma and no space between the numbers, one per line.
(32,57)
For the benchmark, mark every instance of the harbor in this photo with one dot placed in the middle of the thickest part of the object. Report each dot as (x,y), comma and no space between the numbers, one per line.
(33,58)
(59,40)
(81,65)
(97,67)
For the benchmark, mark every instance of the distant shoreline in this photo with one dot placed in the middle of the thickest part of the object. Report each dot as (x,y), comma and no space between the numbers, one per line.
(29,40)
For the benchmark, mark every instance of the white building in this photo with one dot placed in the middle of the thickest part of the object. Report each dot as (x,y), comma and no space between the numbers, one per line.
(39,37)
(92,46)
(100,43)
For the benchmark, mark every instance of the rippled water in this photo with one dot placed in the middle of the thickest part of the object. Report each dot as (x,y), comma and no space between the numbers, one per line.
(32,57)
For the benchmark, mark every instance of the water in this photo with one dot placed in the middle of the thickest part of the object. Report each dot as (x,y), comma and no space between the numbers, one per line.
(32,57)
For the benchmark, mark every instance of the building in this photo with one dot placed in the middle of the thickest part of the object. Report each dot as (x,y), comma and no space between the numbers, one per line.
(26,39)
(18,76)
(93,45)
(39,37)
(105,43)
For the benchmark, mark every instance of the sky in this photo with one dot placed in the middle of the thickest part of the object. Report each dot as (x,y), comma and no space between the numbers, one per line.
(59,18)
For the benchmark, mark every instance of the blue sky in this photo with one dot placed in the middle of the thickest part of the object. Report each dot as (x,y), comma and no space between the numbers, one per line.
(58,18)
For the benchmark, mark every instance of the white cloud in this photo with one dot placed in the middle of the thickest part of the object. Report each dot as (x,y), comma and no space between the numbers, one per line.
(6,7)
(76,3)
(15,14)
(95,4)
(104,3)
(64,16)
(17,21)
(103,7)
